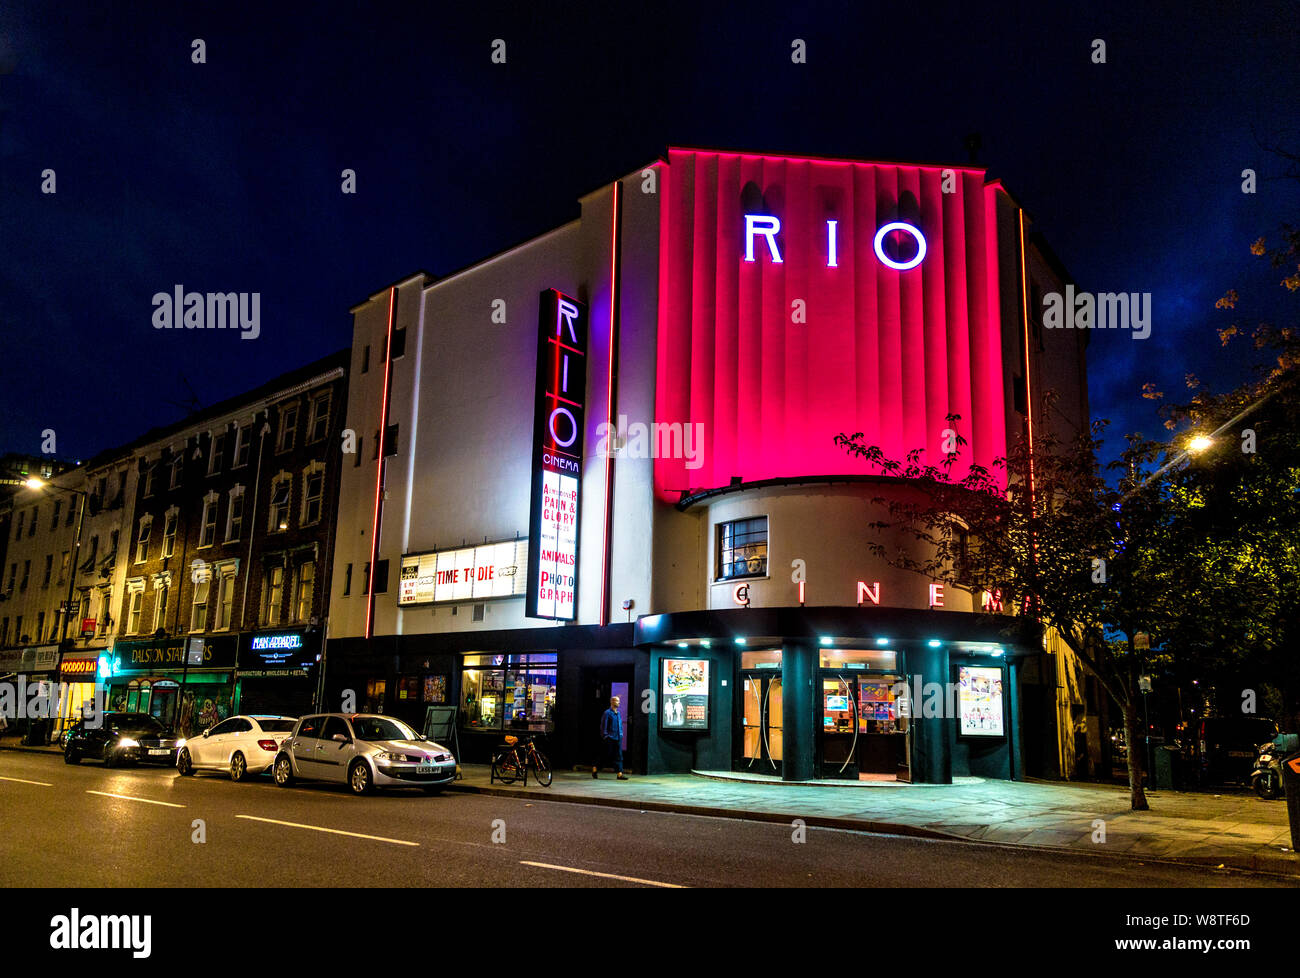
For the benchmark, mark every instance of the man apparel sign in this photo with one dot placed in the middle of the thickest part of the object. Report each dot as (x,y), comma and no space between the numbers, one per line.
(558,420)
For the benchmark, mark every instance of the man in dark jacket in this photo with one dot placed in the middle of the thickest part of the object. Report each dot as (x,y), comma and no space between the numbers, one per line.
(611,740)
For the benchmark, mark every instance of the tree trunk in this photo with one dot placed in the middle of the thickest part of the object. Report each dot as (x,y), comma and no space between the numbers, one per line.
(1136,757)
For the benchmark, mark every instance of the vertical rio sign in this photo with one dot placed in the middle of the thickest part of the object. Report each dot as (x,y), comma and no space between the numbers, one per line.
(558,426)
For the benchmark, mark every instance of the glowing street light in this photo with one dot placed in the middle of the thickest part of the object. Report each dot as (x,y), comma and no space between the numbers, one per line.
(1200,443)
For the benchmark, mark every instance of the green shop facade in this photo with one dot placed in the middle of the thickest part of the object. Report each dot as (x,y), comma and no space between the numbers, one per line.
(191,683)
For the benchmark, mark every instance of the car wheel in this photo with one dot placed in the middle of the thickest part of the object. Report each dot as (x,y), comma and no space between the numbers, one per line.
(70,755)
(183,763)
(359,778)
(238,767)
(283,771)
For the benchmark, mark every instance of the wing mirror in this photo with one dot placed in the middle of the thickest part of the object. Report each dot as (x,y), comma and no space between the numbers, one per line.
(340,738)
(205,733)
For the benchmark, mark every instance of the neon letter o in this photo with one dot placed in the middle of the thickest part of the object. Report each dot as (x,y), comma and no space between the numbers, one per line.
(900,226)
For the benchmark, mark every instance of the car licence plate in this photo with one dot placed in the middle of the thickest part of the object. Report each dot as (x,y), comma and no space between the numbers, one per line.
(159,751)
(427,769)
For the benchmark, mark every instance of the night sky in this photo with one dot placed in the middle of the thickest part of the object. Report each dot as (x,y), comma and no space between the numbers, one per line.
(225,176)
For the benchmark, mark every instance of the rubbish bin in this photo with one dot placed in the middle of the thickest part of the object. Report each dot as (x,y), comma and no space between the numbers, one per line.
(1291,785)
(1167,773)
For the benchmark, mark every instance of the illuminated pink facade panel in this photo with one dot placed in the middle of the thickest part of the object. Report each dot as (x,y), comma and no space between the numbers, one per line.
(884,351)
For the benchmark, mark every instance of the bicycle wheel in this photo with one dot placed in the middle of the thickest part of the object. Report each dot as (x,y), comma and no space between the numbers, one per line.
(505,768)
(541,769)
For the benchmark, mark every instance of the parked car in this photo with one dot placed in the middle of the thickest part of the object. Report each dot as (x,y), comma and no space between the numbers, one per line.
(242,745)
(122,738)
(1224,749)
(364,751)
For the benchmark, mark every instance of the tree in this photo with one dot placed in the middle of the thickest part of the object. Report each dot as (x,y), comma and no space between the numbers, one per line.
(1237,507)
(1047,533)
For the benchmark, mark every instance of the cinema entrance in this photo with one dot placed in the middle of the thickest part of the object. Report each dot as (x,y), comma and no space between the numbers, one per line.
(863,731)
(762,707)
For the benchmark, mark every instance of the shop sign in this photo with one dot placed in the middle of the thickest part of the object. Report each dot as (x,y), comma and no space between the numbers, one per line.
(11,661)
(174,653)
(40,658)
(559,411)
(277,654)
(79,670)
(490,570)
(685,695)
(979,701)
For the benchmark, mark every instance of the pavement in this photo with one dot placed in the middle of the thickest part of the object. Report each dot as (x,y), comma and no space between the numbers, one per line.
(1233,829)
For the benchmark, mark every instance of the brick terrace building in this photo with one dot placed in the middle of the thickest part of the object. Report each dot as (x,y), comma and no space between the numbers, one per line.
(228,554)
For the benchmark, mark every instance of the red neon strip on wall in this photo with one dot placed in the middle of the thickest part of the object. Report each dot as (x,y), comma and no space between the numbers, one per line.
(379,469)
(609,403)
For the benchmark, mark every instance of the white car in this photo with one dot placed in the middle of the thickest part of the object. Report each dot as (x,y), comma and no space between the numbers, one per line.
(242,745)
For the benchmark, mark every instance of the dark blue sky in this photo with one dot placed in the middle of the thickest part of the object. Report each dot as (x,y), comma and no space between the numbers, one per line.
(225,176)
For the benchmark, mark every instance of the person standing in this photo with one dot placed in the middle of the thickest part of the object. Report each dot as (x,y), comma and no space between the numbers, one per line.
(611,740)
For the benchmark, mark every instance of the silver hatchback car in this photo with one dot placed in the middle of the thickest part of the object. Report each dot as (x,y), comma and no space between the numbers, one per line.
(365,751)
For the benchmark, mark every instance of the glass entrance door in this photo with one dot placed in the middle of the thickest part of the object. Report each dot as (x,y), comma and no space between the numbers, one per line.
(863,734)
(761,724)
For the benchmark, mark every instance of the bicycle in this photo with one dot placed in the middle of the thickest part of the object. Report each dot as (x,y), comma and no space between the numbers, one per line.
(513,763)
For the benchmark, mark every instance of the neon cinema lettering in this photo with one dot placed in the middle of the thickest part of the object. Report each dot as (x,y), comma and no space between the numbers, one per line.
(768,226)
(565,313)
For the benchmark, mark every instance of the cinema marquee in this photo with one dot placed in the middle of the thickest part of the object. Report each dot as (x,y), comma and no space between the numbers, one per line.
(558,419)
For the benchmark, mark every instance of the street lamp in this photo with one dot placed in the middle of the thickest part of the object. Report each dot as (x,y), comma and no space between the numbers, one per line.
(74,556)
(1200,443)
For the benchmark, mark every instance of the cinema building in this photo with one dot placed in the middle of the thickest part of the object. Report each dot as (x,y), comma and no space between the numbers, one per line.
(603,462)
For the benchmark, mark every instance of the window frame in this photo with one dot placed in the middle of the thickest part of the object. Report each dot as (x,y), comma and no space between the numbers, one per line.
(211,507)
(234,530)
(720,534)
(315,469)
(284,479)
(216,451)
(287,432)
(316,417)
(143,534)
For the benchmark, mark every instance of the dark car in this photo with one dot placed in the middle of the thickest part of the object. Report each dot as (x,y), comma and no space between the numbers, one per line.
(1224,748)
(122,738)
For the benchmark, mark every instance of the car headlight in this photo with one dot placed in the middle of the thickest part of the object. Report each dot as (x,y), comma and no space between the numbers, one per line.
(387,757)
(128,742)
(180,743)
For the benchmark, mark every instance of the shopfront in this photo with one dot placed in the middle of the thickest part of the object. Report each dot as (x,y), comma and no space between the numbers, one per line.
(78,677)
(188,684)
(836,693)
(278,672)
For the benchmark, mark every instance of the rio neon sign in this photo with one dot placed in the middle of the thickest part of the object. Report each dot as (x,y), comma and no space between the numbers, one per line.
(559,411)
(768,226)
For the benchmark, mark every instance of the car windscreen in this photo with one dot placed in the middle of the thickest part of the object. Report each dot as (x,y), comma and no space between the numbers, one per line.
(276,726)
(136,723)
(382,728)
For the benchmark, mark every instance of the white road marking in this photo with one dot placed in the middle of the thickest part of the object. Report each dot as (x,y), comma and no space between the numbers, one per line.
(24,781)
(608,876)
(318,828)
(147,801)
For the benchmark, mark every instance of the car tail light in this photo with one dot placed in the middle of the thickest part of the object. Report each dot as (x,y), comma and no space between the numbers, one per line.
(268,745)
